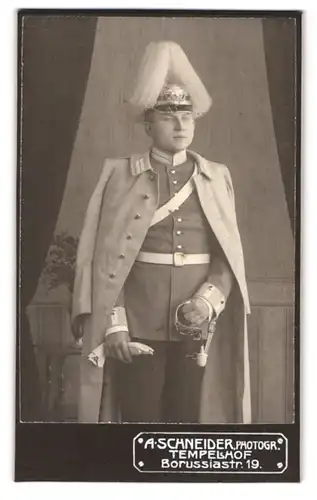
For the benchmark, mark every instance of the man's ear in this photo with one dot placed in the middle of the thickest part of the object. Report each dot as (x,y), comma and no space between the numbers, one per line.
(148,128)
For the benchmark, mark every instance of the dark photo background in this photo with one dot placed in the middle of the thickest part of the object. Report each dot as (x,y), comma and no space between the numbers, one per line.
(56,55)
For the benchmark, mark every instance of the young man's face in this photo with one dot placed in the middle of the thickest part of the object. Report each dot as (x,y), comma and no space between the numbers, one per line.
(171,132)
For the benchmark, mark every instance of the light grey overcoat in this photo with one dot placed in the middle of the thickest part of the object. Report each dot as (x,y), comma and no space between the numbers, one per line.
(128,186)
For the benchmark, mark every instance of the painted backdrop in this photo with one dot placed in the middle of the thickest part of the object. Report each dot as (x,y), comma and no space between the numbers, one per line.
(230,57)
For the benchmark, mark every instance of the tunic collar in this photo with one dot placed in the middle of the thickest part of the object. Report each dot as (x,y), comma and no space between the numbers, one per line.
(169,158)
(140,163)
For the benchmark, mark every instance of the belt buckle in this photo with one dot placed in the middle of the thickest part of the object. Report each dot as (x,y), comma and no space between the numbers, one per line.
(178,259)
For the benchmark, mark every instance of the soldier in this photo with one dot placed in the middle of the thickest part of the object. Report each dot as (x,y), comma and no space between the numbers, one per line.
(160,256)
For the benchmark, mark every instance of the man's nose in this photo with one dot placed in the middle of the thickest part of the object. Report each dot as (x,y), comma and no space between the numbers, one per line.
(179,124)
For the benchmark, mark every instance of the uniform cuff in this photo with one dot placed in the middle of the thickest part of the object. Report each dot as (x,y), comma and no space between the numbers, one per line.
(214,296)
(118,321)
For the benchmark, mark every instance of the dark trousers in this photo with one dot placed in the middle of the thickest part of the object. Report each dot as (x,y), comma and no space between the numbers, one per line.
(164,387)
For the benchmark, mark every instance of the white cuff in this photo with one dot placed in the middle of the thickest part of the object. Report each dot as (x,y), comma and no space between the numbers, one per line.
(117,328)
(118,321)
(214,296)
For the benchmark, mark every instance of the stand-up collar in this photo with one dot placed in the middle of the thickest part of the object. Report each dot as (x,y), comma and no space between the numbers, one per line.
(140,163)
(169,158)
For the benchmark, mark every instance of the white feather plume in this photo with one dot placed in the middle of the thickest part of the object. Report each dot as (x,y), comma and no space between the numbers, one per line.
(182,72)
(166,62)
(152,75)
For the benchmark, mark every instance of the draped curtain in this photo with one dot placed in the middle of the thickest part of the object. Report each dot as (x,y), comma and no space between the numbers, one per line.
(279,35)
(56,54)
(55,62)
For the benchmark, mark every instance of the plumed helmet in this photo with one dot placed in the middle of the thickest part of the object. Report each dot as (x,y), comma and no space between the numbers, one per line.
(167,81)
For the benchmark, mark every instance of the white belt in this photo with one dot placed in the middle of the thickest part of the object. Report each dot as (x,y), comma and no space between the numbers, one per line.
(175,259)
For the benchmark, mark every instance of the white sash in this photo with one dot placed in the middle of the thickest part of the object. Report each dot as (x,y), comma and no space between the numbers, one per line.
(175,202)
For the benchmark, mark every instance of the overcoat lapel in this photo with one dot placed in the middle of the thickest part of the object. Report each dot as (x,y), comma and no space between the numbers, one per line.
(221,217)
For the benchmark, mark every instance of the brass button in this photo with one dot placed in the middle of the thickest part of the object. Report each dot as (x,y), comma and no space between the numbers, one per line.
(173,172)
(174,182)
(179,247)
(178,232)
(129,237)
(121,256)
(151,177)
(112,275)
(179,219)
(137,216)
(146,196)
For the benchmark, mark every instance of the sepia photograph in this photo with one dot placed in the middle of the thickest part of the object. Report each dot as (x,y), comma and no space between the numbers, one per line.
(158,158)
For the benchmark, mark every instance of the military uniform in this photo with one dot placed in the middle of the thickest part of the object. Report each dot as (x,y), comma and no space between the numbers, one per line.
(132,274)
(153,291)
(166,387)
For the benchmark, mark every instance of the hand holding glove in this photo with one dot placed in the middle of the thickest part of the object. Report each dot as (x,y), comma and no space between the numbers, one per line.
(116,346)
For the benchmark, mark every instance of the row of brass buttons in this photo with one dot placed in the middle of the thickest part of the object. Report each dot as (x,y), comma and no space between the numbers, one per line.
(129,236)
